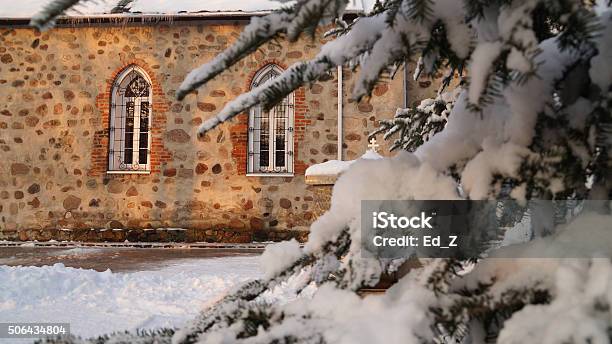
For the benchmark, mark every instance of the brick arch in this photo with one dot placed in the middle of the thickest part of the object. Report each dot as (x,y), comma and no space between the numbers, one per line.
(239,132)
(159,154)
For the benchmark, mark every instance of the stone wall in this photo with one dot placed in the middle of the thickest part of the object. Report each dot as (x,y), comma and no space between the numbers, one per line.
(54,105)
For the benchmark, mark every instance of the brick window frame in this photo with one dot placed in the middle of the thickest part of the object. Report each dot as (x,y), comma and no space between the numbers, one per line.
(262,121)
(239,130)
(119,150)
(159,108)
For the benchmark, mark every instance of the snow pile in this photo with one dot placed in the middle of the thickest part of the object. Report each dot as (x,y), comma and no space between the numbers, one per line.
(76,251)
(578,283)
(336,167)
(482,58)
(586,236)
(96,303)
(296,286)
(601,70)
(329,168)
(277,257)
(394,318)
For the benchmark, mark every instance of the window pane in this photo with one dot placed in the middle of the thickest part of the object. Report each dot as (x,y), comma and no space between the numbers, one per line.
(144,133)
(143,155)
(264,138)
(280,151)
(138,87)
(280,112)
(144,116)
(129,133)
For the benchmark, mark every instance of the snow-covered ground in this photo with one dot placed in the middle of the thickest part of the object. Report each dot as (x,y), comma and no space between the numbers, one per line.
(96,302)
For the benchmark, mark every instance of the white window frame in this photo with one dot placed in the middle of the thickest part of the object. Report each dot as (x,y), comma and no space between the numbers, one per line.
(117,125)
(253,167)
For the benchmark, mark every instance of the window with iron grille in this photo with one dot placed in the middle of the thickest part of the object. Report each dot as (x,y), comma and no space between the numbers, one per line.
(271,132)
(130,122)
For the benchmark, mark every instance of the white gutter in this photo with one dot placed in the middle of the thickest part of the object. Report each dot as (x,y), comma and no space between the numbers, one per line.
(340,113)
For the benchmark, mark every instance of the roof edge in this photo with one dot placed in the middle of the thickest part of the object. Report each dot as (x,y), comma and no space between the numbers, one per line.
(131,18)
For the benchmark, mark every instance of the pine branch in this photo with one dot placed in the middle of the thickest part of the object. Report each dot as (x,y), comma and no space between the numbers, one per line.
(153,336)
(260,31)
(581,29)
(360,39)
(122,6)
(305,16)
(415,126)
(419,10)
(46,17)
(476,8)
(392,8)
(312,14)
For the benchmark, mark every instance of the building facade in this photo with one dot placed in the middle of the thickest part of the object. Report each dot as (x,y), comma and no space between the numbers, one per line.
(95,146)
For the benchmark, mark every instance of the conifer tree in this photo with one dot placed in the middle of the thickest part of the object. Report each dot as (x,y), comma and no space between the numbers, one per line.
(533,121)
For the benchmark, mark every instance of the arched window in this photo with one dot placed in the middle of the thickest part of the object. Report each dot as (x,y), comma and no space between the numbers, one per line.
(130,122)
(271,132)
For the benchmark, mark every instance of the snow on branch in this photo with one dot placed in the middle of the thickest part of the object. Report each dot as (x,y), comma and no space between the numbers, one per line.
(122,6)
(415,126)
(311,14)
(414,25)
(361,38)
(258,32)
(372,39)
(46,17)
(304,16)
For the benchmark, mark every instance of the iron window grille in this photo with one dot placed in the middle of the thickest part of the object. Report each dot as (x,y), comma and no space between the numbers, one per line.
(130,122)
(270,150)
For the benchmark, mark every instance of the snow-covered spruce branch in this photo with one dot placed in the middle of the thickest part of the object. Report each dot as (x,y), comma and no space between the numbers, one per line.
(303,16)
(415,126)
(157,336)
(415,28)
(381,46)
(122,6)
(261,30)
(46,17)
(360,39)
(386,45)
(441,35)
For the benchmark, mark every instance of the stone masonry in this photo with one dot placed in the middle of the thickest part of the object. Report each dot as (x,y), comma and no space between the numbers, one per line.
(54,117)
